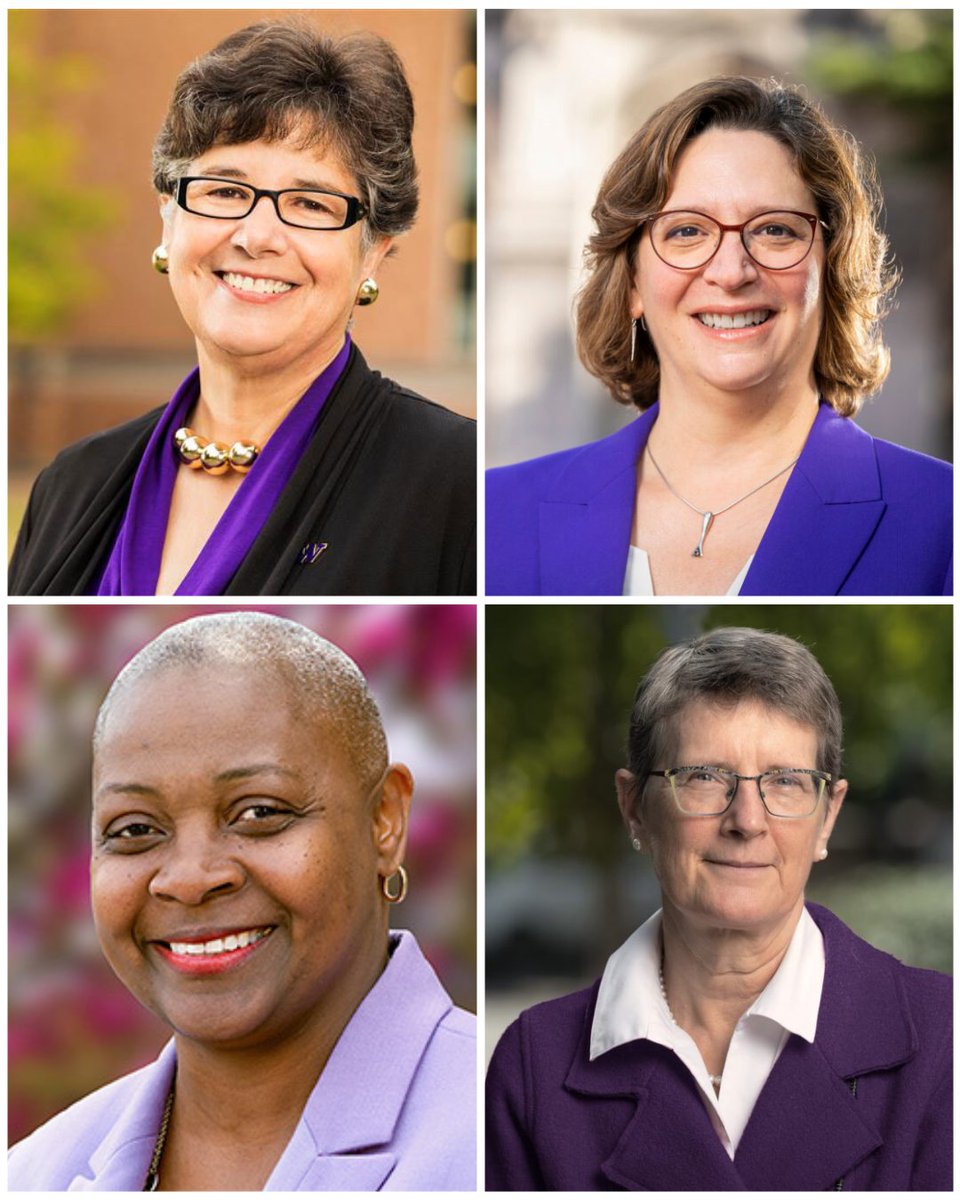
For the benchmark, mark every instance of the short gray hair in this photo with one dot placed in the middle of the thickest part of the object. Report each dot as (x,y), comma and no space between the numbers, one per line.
(727,666)
(324,680)
(266,81)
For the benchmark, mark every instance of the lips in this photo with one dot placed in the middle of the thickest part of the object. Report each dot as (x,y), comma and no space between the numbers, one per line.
(212,953)
(716,862)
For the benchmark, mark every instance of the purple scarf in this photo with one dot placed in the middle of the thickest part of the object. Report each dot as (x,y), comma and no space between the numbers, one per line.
(134,564)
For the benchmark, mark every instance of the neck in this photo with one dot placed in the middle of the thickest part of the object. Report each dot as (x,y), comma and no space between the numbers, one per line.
(710,426)
(253,1095)
(247,399)
(713,974)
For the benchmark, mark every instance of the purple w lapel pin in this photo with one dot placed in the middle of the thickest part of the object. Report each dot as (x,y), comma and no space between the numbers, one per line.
(311,552)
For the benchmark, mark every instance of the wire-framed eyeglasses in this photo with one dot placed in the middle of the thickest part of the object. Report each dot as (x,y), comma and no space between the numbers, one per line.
(775,240)
(304,208)
(704,791)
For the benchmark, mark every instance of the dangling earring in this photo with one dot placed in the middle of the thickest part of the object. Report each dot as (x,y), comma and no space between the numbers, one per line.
(161,260)
(398,896)
(633,337)
(368,292)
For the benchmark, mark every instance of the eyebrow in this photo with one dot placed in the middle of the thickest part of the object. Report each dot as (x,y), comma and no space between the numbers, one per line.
(312,185)
(231,775)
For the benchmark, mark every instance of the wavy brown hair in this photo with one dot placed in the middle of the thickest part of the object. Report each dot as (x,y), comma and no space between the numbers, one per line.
(851,360)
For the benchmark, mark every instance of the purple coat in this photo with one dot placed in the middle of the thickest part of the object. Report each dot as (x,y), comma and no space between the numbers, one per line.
(393,1110)
(869,1103)
(858,517)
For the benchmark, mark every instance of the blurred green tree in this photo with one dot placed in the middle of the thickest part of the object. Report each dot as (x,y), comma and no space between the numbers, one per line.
(50,213)
(907,68)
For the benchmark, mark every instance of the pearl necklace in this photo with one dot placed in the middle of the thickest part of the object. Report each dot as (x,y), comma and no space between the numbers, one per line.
(716,1080)
(214,457)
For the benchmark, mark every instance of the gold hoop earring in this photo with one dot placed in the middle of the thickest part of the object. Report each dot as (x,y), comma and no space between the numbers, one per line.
(368,292)
(399,895)
(161,260)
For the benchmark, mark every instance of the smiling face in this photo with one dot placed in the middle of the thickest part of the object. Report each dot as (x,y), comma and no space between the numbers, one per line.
(236,863)
(257,292)
(743,870)
(732,176)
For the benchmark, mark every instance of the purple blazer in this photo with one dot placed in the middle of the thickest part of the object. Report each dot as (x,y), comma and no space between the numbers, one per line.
(858,517)
(869,1103)
(394,1109)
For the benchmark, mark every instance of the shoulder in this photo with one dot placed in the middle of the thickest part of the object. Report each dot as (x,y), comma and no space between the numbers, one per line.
(407,413)
(104,447)
(927,996)
(900,467)
(542,1041)
(60,1150)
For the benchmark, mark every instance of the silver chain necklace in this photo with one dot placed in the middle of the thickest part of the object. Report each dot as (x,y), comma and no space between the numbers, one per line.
(708,515)
(152,1182)
(716,1080)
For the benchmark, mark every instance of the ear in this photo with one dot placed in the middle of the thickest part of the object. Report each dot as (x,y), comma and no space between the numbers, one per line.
(832,811)
(629,803)
(374,257)
(168,206)
(390,814)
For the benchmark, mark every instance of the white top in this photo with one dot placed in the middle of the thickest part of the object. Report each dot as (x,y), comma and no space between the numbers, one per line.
(630,1005)
(637,580)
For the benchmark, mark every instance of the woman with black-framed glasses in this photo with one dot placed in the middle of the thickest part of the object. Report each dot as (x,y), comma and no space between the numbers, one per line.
(737,281)
(740,1039)
(283,464)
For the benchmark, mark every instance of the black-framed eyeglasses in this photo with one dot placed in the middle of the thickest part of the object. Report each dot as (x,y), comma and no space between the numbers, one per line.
(705,791)
(304,208)
(775,240)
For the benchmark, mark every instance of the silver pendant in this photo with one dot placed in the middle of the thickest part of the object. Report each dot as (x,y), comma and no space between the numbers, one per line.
(707,522)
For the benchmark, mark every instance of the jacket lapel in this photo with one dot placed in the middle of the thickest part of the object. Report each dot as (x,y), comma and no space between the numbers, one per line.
(827,514)
(585,520)
(343,1141)
(653,1153)
(807,1130)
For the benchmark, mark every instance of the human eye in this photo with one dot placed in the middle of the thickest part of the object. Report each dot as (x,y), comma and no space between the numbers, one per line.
(698,777)
(130,834)
(685,229)
(789,781)
(261,816)
(778,227)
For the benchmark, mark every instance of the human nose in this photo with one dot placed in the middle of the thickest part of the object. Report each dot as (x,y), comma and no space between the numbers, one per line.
(195,869)
(731,266)
(261,230)
(747,814)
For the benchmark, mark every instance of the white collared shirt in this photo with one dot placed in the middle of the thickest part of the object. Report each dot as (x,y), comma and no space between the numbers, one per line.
(630,1006)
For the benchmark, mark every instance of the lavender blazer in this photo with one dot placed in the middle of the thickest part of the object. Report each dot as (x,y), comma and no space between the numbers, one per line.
(394,1109)
(869,1103)
(858,517)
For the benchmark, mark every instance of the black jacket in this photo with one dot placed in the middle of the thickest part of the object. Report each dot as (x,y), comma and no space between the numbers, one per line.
(388,484)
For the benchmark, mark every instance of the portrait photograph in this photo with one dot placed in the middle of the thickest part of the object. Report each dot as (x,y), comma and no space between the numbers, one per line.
(719,351)
(242,898)
(719,919)
(242,302)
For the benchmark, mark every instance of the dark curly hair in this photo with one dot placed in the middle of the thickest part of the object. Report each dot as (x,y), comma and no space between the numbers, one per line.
(851,360)
(279,77)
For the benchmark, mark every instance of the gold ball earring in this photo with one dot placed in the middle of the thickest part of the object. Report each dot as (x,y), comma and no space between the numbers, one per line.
(368,292)
(161,260)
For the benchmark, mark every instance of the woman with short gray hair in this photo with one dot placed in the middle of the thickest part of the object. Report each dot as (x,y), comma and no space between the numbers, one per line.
(740,1039)
(283,464)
